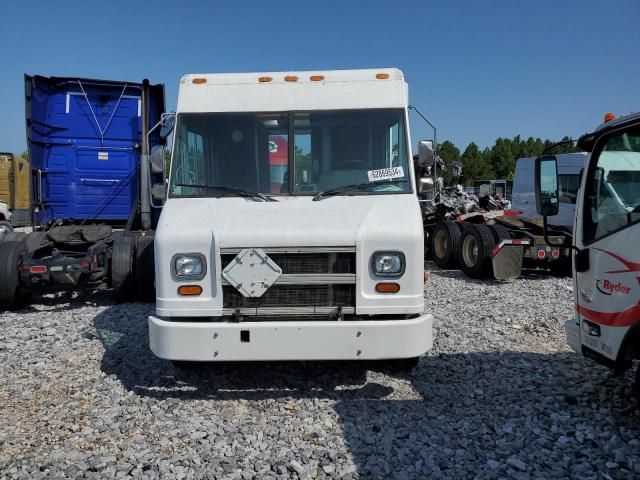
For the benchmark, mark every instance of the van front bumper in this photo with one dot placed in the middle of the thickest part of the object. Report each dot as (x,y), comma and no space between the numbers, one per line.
(296,340)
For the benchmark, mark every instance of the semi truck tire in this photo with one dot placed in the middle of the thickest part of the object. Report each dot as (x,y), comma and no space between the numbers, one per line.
(499,233)
(12,294)
(122,267)
(14,236)
(475,251)
(35,240)
(445,240)
(145,268)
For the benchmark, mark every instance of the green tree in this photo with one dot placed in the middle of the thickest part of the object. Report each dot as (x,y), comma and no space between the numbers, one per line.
(449,154)
(475,164)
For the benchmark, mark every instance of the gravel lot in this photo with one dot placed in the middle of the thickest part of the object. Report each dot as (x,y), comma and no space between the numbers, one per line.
(500,396)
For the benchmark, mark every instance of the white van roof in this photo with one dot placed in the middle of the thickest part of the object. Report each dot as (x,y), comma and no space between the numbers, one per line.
(292,91)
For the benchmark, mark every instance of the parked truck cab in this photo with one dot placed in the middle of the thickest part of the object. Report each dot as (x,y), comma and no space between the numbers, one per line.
(606,264)
(328,263)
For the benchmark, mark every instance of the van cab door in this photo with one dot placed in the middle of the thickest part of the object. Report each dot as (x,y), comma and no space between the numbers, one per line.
(607,269)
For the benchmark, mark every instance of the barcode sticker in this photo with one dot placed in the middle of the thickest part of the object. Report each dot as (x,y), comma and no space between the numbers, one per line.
(385,174)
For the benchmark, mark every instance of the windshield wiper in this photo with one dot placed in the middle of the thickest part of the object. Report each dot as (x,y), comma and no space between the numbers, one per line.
(357,187)
(231,190)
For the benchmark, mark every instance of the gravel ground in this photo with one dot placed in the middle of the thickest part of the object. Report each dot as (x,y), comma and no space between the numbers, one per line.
(500,396)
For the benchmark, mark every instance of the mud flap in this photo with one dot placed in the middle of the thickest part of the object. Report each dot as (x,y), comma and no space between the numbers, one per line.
(507,263)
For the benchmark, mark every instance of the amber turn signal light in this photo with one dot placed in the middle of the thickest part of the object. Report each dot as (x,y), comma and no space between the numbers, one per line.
(265,79)
(199,80)
(290,78)
(189,290)
(316,78)
(387,287)
(382,76)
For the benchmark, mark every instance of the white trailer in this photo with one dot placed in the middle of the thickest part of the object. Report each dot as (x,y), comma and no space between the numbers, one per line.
(606,262)
(314,254)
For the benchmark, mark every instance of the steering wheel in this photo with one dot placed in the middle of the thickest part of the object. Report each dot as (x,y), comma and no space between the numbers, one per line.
(358,163)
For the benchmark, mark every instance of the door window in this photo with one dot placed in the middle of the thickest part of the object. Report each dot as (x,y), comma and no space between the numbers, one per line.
(613,187)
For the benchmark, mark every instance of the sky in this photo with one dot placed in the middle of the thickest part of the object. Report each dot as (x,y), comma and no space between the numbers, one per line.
(479,69)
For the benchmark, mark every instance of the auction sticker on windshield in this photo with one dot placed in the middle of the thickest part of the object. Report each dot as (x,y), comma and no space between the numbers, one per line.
(385,174)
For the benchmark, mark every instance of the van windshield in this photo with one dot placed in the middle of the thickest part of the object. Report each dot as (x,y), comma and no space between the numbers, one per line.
(299,153)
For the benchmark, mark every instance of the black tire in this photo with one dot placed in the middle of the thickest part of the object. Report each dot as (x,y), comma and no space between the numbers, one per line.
(122,266)
(12,294)
(14,237)
(444,241)
(474,255)
(499,232)
(145,268)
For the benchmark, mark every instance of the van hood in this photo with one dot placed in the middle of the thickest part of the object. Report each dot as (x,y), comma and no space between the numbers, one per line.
(238,222)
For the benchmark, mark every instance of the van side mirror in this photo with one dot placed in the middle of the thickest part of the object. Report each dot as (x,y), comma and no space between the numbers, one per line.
(426,155)
(158,194)
(546,180)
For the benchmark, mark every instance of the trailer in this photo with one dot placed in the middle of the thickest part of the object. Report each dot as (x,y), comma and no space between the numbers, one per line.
(482,236)
(96,157)
(14,192)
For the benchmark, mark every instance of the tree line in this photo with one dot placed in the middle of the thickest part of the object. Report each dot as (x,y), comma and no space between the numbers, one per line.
(498,161)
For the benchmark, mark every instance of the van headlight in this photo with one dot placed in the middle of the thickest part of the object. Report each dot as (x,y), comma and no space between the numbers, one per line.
(189,266)
(388,264)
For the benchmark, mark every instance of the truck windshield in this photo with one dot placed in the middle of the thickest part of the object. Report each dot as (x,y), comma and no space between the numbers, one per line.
(299,153)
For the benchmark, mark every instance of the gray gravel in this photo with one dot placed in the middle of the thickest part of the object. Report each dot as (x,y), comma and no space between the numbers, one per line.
(501,396)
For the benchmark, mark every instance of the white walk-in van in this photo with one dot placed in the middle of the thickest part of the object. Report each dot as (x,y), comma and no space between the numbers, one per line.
(291,229)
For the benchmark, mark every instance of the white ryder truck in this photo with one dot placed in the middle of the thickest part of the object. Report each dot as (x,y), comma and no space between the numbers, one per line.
(292,229)
(606,243)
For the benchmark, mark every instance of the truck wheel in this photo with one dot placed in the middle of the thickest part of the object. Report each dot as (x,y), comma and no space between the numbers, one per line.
(475,251)
(35,240)
(14,237)
(5,227)
(122,268)
(445,239)
(145,268)
(499,233)
(12,294)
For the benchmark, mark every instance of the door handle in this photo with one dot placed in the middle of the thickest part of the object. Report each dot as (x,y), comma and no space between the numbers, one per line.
(99,181)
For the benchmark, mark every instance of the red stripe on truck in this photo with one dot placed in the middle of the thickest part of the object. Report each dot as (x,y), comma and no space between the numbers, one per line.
(626,318)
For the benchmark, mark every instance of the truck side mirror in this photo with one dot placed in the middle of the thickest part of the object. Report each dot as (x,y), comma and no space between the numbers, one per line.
(426,155)
(168,122)
(425,184)
(158,194)
(546,179)
(156,158)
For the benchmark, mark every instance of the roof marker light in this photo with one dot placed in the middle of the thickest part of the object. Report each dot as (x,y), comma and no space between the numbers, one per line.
(609,116)
(316,78)
(265,79)
(199,80)
(382,76)
(290,78)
